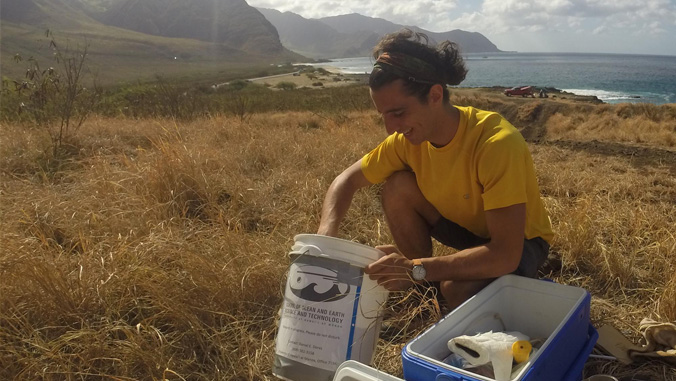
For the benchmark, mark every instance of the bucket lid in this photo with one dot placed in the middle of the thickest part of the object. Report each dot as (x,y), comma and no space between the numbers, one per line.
(352,370)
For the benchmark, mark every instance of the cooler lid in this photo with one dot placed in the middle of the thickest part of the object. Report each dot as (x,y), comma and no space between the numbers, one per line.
(352,370)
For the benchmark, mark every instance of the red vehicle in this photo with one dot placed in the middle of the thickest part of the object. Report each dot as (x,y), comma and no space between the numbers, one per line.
(524,91)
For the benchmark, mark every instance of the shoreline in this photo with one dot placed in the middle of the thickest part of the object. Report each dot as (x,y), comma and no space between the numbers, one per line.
(638,93)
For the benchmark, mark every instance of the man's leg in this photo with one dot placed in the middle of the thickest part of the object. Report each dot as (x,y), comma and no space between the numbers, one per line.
(410,218)
(409,215)
(413,221)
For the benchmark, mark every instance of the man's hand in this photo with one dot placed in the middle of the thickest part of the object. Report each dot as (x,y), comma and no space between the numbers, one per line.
(392,271)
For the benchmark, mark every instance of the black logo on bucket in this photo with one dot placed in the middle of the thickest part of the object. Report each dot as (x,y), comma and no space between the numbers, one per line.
(317,284)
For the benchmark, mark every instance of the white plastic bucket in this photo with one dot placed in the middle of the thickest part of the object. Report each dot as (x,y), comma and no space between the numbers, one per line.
(331,310)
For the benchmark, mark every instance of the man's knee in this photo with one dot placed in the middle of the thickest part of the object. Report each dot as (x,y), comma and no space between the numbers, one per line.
(401,192)
(399,184)
(456,292)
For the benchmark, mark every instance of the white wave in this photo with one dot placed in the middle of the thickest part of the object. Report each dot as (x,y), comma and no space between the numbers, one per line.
(622,97)
(604,95)
(613,96)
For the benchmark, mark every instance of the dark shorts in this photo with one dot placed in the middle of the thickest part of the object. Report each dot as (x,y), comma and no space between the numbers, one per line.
(535,250)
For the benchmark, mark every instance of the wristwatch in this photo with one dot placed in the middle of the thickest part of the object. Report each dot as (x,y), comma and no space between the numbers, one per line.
(418,272)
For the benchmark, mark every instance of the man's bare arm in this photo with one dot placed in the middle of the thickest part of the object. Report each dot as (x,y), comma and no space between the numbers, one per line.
(498,257)
(339,198)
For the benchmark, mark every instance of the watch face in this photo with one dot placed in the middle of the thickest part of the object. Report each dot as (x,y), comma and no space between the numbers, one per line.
(418,272)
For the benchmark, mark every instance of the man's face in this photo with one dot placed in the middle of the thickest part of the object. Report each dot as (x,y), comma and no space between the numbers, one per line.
(403,113)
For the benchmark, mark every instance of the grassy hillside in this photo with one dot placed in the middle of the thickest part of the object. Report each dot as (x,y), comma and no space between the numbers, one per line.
(118,54)
(232,22)
(158,248)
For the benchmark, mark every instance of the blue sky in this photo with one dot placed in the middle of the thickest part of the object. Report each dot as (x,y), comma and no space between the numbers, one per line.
(590,26)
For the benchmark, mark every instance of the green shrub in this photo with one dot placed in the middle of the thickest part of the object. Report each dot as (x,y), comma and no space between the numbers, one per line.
(238,84)
(56,99)
(286,86)
(322,71)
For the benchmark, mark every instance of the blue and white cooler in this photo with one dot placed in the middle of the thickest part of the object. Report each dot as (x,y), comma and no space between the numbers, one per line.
(555,313)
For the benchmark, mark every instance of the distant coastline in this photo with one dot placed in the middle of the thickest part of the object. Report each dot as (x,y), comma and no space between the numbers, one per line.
(613,78)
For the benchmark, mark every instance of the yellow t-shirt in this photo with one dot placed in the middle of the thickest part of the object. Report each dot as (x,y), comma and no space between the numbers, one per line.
(486,166)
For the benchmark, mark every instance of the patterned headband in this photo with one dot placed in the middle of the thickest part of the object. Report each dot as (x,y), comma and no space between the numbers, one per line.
(408,67)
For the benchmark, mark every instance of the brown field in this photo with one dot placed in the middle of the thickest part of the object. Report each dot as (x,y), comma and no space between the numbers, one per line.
(158,250)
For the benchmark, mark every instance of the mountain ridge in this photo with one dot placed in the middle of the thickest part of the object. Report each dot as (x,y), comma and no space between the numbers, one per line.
(355,34)
(232,22)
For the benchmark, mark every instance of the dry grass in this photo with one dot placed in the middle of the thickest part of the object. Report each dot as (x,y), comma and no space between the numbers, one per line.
(158,250)
(626,123)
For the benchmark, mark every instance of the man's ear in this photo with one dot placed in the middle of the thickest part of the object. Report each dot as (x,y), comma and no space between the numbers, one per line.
(436,94)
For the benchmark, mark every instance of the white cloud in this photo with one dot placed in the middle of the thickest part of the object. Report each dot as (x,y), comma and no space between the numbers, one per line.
(420,13)
(572,17)
(599,30)
(574,22)
(497,15)
(511,14)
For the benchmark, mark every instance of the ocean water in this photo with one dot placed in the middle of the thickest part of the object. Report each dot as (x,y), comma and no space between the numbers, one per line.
(613,78)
